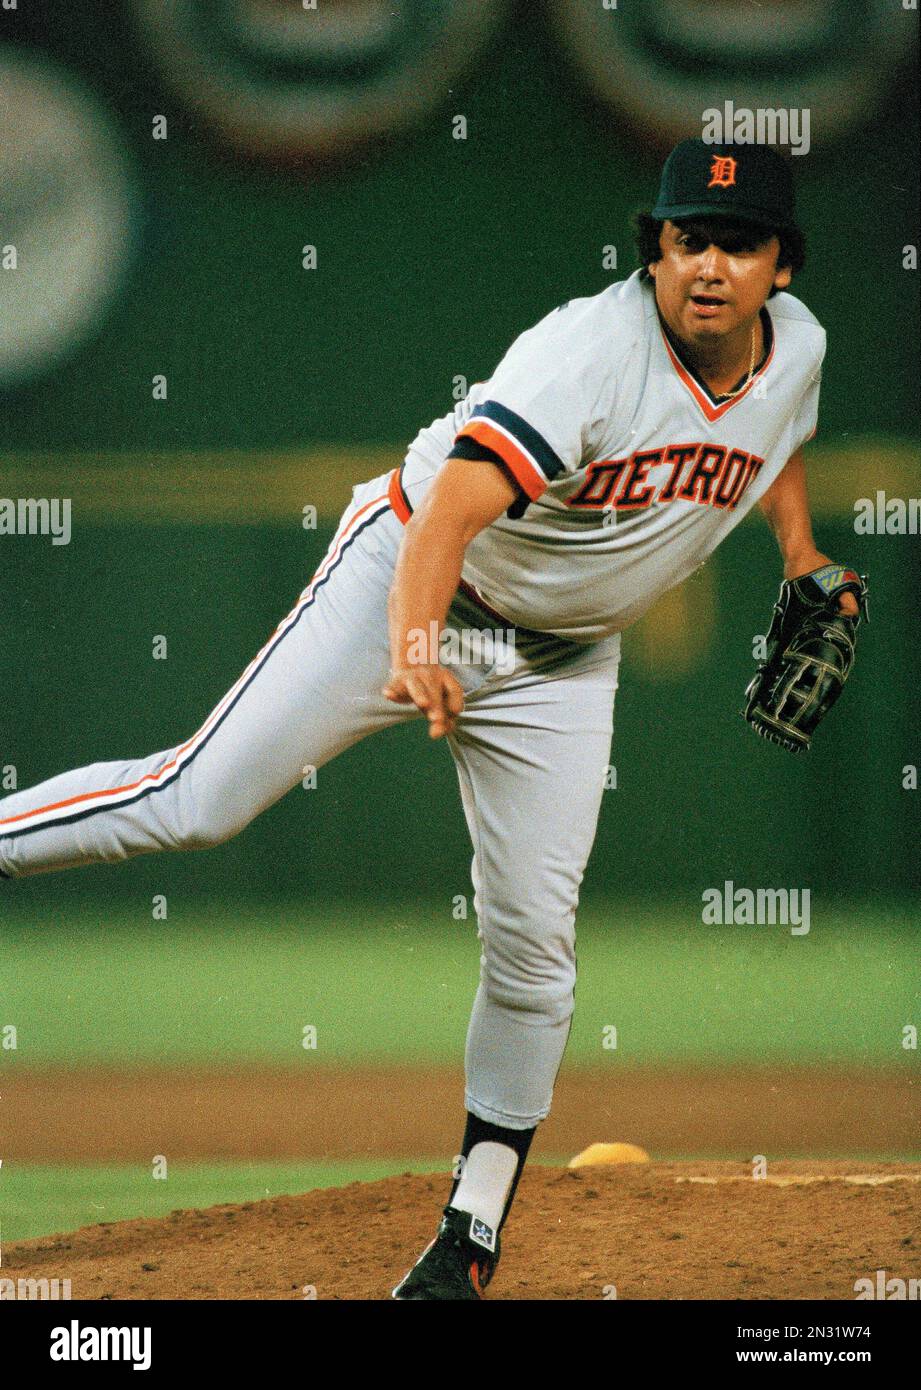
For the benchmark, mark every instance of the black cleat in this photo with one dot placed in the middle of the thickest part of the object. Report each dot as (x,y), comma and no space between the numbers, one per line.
(459,1263)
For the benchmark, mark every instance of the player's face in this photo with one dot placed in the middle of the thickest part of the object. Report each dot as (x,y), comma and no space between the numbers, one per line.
(713,278)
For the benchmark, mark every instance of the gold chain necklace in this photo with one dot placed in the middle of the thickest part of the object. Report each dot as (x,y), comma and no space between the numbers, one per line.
(728,395)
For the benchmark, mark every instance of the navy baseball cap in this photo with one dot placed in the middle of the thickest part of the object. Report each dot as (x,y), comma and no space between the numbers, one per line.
(751,182)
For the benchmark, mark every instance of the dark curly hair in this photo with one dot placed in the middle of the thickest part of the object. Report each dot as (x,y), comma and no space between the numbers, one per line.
(647,229)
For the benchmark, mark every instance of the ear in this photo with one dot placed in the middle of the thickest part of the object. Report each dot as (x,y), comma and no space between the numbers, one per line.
(783,278)
(653,266)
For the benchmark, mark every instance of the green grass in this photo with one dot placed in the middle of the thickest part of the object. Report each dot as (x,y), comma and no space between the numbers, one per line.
(381,985)
(41,1200)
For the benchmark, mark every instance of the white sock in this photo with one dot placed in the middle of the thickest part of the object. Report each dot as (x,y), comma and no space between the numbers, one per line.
(486,1181)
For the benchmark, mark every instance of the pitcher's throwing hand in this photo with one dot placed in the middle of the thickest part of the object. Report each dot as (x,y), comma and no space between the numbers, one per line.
(433,690)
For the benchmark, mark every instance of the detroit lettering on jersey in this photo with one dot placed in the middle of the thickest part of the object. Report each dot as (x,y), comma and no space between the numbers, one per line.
(713,476)
(631,471)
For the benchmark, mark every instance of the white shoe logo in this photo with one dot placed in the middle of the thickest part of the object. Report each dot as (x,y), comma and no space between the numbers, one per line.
(482,1234)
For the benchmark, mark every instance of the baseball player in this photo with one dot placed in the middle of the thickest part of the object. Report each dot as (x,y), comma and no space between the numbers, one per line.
(616,444)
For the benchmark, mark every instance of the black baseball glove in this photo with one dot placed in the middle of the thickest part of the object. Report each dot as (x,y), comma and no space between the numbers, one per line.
(810,651)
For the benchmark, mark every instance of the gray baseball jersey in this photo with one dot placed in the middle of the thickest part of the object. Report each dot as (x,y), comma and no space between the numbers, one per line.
(633,472)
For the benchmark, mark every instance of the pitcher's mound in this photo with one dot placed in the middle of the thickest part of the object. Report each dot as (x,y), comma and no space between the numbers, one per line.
(661,1230)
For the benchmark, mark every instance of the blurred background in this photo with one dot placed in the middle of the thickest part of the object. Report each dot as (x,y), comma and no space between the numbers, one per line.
(247,250)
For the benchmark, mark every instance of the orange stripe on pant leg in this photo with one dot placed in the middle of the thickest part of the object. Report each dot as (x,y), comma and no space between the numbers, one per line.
(153,777)
(329,558)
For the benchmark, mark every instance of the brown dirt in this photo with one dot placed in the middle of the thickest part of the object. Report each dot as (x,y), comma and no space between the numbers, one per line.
(57,1115)
(647,1231)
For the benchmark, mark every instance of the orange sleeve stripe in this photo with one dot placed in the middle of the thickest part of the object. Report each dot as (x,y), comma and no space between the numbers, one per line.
(396,498)
(532,482)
